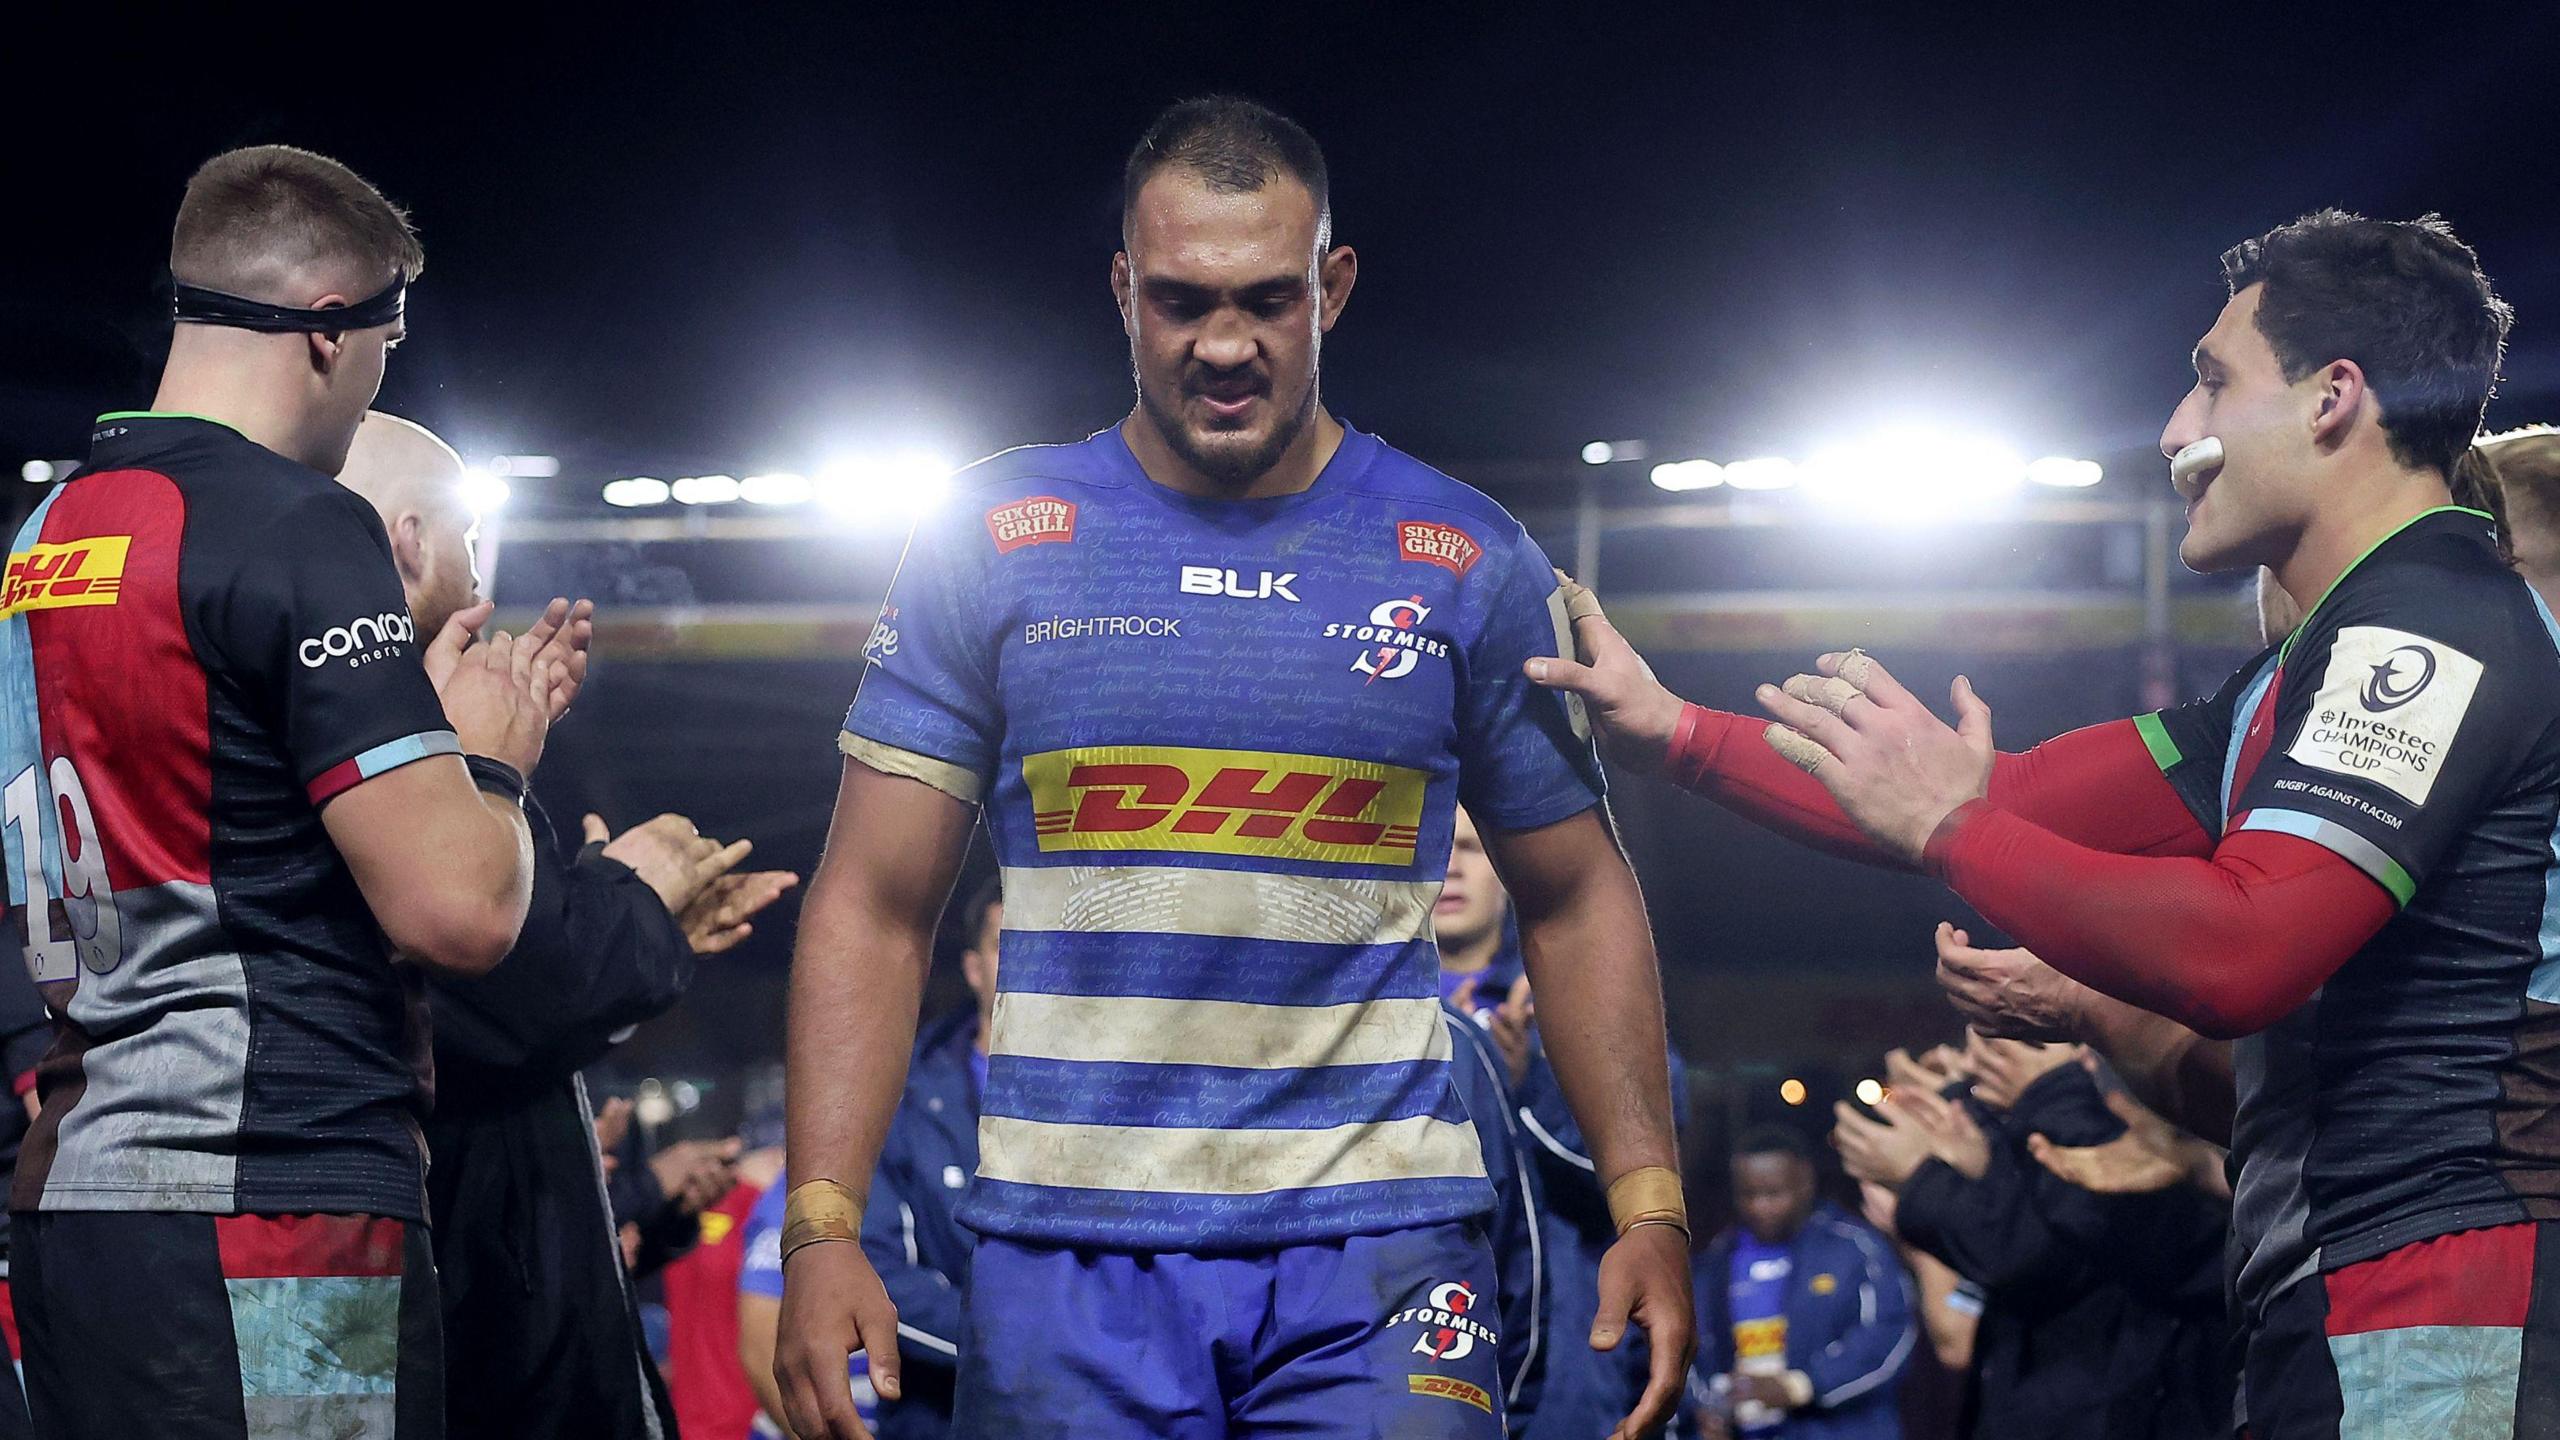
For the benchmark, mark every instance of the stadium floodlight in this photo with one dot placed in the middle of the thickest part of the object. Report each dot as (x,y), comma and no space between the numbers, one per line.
(1871,1092)
(2063,473)
(706,490)
(1679,475)
(484,493)
(903,484)
(779,487)
(1770,472)
(1914,474)
(525,467)
(36,472)
(1599,452)
(1791,1090)
(636,492)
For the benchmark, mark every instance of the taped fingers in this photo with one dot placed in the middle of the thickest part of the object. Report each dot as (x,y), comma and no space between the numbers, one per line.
(1579,602)
(1828,691)
(1796,749)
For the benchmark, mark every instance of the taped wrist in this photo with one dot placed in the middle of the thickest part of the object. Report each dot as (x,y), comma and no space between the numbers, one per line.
(820,1210)
(1648,1195)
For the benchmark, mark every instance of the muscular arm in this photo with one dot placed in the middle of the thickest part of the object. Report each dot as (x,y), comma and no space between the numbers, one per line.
(446,868)
(858,972)
(1591,964)
(2097,786)
(2224,947)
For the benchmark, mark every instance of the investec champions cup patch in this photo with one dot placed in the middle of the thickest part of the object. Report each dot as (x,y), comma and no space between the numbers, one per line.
(75,572)
(1035,520)
(2388,709)
(1433,543)
(1225,802)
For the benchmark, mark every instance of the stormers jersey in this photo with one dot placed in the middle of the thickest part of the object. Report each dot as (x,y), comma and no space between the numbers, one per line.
(1220,744)
(201,644)
(2412,726)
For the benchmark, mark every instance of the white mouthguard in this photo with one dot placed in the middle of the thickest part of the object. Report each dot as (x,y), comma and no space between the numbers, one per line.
(2194,460)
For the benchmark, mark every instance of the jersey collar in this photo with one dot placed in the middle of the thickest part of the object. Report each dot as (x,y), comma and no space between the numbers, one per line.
(2397,531)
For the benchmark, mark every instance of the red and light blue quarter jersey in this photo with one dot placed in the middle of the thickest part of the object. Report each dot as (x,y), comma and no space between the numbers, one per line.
(1220,745)
(201,644)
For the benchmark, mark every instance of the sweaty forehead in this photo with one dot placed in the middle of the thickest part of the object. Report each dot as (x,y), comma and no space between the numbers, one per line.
(1182,229)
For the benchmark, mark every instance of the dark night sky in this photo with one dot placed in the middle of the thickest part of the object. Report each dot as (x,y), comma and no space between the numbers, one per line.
(743,237)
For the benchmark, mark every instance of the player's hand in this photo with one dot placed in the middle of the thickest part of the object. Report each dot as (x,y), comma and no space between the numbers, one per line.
(1877,1150)
(2008,994)
(695,1174)
(2003,1069)
(2126,1165)
(673,857)
(1634,711)
(717,919)
(832,1305)
(1948,1128)
(560,640)
(497,696)
(1896,769)
(1883,1209)
(1645,1277)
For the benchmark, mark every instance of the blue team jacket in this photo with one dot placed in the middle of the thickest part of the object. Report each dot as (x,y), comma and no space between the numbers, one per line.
(1849,1327)
(921,1252)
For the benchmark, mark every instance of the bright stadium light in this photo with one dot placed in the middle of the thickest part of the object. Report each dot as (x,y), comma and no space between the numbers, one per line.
(1870,1092)
(525,467)
(484,493)
(635,492)
(1688,475)
(780,487)
(1767,473)
(1914,474)
(706,490)
(1791,1090)
(1599,452)
(36,472)
(2065,474)
(904,484)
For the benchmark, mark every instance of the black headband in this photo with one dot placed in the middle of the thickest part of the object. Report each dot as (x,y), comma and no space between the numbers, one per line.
(195,305)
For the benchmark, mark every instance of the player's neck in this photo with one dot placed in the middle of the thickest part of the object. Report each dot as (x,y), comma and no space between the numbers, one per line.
(238,391)
(2343,533)
(1295,470)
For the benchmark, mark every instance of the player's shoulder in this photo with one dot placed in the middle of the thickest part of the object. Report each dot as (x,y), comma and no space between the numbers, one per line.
(1437,516)
(1086,463)
(2442,578)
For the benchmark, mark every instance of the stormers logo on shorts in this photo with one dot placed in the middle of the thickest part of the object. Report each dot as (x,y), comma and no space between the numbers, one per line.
(1225,802)
(1433,543)
(1448,1331)
(1036,520)
(75,572)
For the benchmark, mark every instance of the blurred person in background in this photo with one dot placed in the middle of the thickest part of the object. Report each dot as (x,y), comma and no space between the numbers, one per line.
(1804,1315)
(715,1399)
(2103,1315)
(2522,469)
(541,1338)
(26,1032)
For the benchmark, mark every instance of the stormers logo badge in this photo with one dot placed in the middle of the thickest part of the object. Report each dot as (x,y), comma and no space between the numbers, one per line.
(1449,1331)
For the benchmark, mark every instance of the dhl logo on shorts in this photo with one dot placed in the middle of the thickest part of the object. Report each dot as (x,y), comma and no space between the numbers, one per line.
(76,572)
(1450,1388)
(1225,802)
(1760,1337)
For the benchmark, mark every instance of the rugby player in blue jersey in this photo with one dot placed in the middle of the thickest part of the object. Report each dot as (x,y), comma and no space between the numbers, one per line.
(1219,677)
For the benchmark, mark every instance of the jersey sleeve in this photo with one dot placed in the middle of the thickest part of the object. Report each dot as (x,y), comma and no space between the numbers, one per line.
(760,1243)
(2191,743)
(927,705)
(1525,757)
(317,629)
(2402,710)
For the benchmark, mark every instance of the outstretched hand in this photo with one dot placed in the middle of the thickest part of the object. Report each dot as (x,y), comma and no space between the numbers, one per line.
(1895,768)
(1635,713)
(2007,994)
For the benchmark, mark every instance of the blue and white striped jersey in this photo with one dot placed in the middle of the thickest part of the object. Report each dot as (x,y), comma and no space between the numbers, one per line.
(1220,744)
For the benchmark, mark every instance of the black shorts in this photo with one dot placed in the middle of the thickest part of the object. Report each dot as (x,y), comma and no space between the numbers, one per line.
(227,1327)
(2453,1338)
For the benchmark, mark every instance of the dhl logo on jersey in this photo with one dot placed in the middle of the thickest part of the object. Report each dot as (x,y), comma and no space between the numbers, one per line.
(75,572)
(1225,802)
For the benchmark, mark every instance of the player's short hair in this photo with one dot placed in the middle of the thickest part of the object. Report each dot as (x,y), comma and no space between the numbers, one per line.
(2404,299)
(254,217)
(972,914)
(1773,1140)
(1235,146)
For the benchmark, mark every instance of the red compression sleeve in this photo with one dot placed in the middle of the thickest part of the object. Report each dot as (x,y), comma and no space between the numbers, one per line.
(2225,946)
(2097,786)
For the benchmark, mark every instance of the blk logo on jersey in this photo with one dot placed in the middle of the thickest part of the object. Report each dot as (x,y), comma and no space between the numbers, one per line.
(1209,580)
(75,572)
(1225,802)
(1449,1329)
(1036,520)
(1433,543)
(1394,644)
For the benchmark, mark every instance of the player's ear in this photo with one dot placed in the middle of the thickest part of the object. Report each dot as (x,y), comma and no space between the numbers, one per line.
(409,548)
(1120,294)
(1338,272)
(2341,396)
(327,349)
